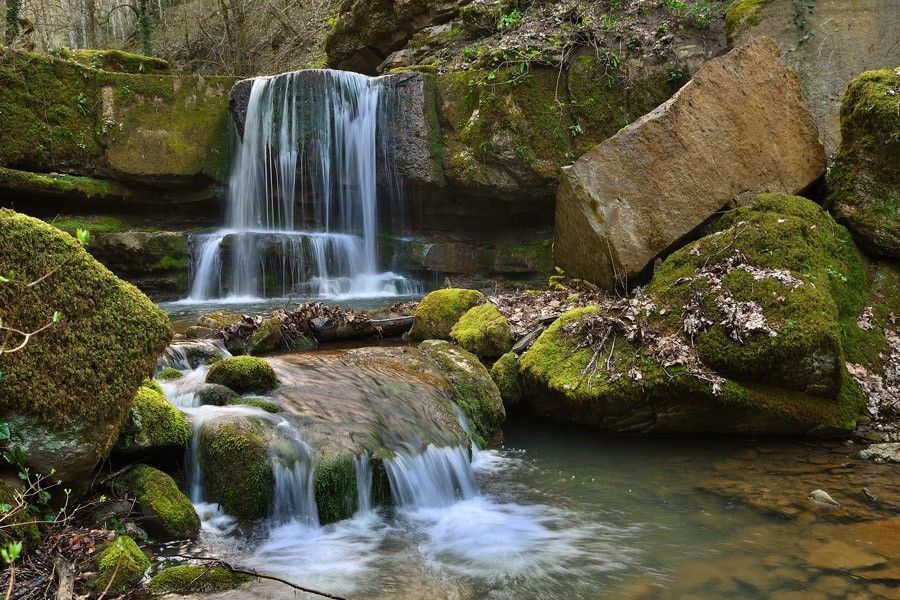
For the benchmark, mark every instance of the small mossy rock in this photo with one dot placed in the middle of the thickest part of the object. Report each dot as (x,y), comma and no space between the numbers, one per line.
(473,389)
(169,374)
(864,181)
(256,402)
(267,337)
(21,526)
(120,566)
(237,472)
(167,513)
(219,319)
(334,485)
(152,384)
(153,424)
(484,332)
(439,311)
(505,373)
(214,394)
(106,342)
(195,579)
(243,374)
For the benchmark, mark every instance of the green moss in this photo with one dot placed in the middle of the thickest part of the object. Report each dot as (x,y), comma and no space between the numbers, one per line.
(505,373)
(864,181)
(335,488)
(103,346)
(152,384)
(267,337)
(474,392)
(120,62)
(483,331)
(194,579)
(260,403)
(154,423)
(120,566)
(739,13)
(169,374)
(243,374)
(215,395)
(22,526)
(237,473)
(167,513)
(219,319)
(525,257)
(54,184)
(440,310)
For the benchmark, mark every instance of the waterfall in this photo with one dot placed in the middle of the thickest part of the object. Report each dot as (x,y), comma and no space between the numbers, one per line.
(293,468)
(303,197)
(363,471)
(434,478)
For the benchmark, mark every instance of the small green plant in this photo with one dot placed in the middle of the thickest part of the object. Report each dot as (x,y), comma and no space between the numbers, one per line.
(510,20)
(82,104)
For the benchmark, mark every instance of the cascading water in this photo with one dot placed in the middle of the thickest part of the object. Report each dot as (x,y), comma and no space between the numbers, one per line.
(309,157)
(434,478)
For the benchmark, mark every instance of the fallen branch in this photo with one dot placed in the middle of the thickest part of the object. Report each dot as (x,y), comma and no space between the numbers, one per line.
(254,573)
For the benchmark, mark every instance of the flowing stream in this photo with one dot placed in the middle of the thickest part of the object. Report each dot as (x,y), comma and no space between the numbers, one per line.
(303,195)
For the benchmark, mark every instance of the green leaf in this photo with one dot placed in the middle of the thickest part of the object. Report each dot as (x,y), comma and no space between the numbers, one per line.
(83,235)
(4,429)
(5,508)
(57,316)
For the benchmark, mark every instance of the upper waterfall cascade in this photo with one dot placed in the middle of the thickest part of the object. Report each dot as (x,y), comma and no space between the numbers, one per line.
(310,181)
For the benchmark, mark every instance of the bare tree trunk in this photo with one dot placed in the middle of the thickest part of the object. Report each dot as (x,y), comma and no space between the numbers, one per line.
(90,15)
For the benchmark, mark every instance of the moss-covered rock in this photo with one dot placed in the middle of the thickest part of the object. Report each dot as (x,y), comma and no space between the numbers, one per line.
(256,402)
(505,373)
(267,337)
(864,181)
(473,389)
(169,374)
(741,12)
(783,267)
(70,388)
(237,472)
(335,488)
(243,374)
(214,394)
(439,311)
(167,513)
(195,579)
(219,319)
(153,424)
(483,331)
(120,566)
(120,62)
(152,384)
(21,526)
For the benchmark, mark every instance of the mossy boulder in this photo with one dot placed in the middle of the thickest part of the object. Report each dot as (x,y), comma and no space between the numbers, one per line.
(120,566)
(219,319)
(167,513)
(474,392)
(195,579)
(214,394)
(237,472)
(267,337)
(784,269)
(484,332)
(153,424)
(19,527)
(864,181)
(169,374)
(439,311)
(69,390)
(152,384)
(243,374)
(505,373)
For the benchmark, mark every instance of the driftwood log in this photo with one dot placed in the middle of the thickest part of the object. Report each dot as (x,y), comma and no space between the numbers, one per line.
(325,330)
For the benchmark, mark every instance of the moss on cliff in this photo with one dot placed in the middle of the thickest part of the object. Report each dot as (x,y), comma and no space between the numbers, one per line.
(742,12)
(166,511)
(440,310)
(483,331)
(81,373)
(119,61)
(195,579)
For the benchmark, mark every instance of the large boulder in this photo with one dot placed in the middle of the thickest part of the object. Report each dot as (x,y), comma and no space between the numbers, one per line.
(484,332)
(153,424)
(439,311)
(738,128)
(166,512)
(742,331)
(69,389)
(826,42)
(864,181)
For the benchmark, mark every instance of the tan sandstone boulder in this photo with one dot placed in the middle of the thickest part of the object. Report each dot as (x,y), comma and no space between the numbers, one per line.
(827,42)
(739,127)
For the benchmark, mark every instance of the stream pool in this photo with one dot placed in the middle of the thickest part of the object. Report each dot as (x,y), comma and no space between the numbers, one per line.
(562,513)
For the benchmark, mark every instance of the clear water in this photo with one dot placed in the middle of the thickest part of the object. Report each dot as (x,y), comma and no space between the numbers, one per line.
(303,195)
(559,513)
